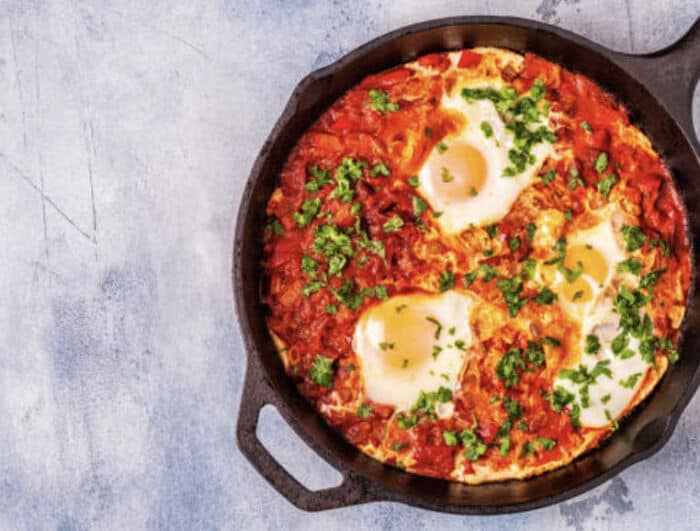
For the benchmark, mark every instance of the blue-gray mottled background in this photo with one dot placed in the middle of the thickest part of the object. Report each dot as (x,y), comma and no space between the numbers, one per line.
(126,132)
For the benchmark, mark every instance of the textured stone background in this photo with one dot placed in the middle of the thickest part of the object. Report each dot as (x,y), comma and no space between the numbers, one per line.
(126,132)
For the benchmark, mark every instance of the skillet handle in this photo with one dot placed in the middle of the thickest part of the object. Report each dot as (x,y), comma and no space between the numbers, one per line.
(671,74)
(256,394)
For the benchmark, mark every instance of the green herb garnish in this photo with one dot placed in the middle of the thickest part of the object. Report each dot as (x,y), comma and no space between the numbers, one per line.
(322,371)
(380,102)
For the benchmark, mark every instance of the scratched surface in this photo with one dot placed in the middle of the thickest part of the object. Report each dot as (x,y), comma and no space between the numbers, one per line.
(126,133)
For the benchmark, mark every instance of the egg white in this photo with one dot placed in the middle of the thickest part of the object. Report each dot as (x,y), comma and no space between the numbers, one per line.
(604,323)
(499,193)
(404,322)
(601,238)
(597,317)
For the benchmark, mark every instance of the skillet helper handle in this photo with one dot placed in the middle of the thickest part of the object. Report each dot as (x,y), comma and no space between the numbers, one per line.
(672,74)
(256,394)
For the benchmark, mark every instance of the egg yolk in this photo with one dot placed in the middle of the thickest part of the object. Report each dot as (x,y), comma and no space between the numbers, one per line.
(458,173)
(595,268)
(408,339)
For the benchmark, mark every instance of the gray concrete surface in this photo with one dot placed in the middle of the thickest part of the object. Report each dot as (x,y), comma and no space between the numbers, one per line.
(126,133)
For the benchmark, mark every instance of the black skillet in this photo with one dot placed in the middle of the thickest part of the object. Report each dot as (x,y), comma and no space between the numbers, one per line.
(657,90)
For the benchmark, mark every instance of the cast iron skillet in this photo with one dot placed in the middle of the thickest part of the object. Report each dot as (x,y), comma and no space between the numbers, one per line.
(657,89)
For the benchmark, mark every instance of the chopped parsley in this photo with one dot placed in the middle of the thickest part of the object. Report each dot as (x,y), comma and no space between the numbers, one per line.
(336,263)
(561,398)
(450,438)
(381,293)
(592,344)
(630,265)
(649,280)
(394,224)
(446,176)
(312,287)
(414,182)
(584,377)
(614,424)
(334,244)
(322,371)
(606,184)
(529,267)
(309,209)
(548,177)
(570,274)
(441,147)
(631,381)
(545,443)
(504,446)
(551,341)
(364,411)
(419,206)
(438,326)
(407,422)
(474,445)
(506,367)
(514,244)
(349,297)
(349,171)
(380,102)
(510,289)
(546,296)
(528,448)
(513,408)
(634,237)
(487,129)
(530,229)
(586,127)
(575,182)
(276,227)
(601,163)
(428,132)
(627,305)
(380,169)
(489,272)
(469,278)
(656,242)
(320,179)
(491,230)
(426,401)
(447,280)
(331,309)
(309,265)
(534,353)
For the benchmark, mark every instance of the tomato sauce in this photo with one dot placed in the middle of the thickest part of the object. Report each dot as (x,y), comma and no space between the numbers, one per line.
(402,139)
